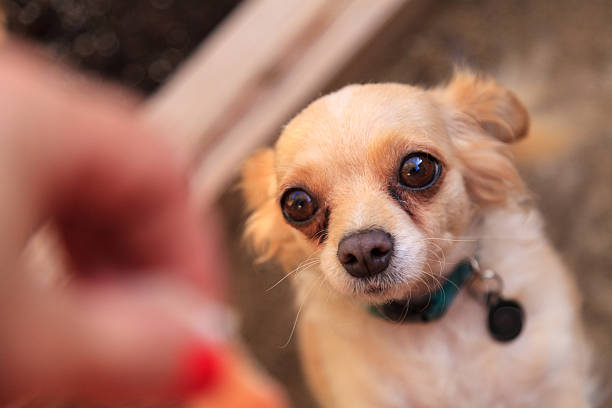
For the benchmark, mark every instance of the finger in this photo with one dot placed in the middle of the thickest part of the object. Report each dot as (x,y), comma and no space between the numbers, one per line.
(135,213)
(242,387)
(118,193)
(110,343)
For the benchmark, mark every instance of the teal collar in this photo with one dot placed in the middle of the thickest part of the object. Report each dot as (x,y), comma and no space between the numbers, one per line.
(432,307)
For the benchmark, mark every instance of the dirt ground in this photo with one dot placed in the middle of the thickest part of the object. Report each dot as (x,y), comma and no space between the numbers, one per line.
(557,56)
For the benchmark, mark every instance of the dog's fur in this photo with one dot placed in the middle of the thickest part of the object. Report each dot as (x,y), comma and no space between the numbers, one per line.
(346,149)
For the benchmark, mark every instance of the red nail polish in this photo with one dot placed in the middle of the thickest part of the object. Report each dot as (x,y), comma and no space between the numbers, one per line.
(200,369)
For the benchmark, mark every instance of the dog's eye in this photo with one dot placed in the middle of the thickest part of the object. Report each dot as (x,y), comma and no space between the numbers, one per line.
(419,171)
(298,205)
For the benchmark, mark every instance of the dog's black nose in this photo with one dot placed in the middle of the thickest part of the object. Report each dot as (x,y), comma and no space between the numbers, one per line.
(365,253)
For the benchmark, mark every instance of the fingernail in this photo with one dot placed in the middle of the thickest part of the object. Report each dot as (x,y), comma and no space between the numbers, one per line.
(200,370)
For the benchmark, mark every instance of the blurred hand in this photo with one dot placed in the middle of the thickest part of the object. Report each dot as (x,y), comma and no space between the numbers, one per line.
(127,325)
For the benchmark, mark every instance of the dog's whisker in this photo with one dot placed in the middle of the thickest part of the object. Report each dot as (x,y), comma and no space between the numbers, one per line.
(439,277)
(405,310)
(443,255)
(429,291)
(300,268)
(305,264)
(438,258)
(450,239)
(299,312)
(476,238)
(319,234)
(432,275)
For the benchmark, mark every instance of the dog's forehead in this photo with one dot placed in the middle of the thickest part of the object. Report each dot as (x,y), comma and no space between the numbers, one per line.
(356,120)
(340,101)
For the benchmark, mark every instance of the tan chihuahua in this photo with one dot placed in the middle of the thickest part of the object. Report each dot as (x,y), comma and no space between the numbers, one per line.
(422,273)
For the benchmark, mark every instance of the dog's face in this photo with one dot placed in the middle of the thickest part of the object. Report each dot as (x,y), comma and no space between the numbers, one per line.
(376,181)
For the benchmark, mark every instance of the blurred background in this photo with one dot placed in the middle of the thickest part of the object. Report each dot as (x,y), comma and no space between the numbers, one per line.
(557,57)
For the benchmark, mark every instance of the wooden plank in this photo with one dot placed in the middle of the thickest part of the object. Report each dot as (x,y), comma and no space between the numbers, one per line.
(302,78)
(190,107)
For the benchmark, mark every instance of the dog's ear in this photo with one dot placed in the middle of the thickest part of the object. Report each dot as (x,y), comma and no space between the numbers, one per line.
(265,229)
(484,118)
(258,179)
(494,108)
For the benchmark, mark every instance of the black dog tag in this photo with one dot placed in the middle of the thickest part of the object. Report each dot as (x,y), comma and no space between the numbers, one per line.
(506,318)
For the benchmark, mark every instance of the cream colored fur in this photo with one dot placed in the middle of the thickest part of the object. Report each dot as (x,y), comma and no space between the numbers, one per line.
(346,148)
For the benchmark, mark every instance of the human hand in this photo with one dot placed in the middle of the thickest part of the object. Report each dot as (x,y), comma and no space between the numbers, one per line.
(127,326)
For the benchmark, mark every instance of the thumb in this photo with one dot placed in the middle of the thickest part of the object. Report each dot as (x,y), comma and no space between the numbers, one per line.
(110,343)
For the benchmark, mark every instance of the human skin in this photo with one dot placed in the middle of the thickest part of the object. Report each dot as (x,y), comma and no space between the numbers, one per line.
(76,154)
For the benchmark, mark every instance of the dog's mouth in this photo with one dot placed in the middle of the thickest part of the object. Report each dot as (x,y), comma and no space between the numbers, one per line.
(384,291)
(404,310)
(429,303)
(375,290)
(401,302)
